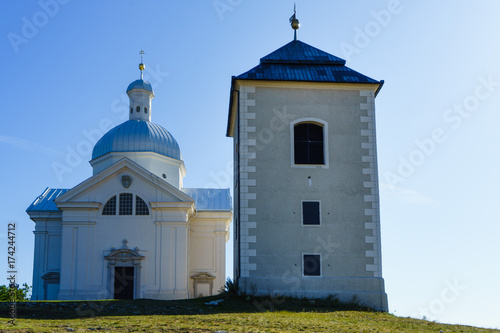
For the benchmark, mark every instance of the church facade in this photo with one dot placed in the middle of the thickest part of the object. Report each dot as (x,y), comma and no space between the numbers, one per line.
(131,230)
(306,195)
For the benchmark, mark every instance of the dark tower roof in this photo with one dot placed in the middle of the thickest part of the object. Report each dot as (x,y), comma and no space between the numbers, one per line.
(297,52)
(298,61)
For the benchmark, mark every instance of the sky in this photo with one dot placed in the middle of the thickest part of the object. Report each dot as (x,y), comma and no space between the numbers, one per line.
(68,63)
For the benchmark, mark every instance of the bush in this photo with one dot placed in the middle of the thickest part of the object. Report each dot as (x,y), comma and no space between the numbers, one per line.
(230,288)
(15,294)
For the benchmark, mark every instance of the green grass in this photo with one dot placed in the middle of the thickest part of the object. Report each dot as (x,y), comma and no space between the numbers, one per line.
(232,315)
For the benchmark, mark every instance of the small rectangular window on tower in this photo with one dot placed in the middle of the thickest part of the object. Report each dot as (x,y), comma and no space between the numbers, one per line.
(312,264)
(311,213)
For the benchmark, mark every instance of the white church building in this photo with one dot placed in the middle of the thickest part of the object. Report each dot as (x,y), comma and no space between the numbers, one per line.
(131,230)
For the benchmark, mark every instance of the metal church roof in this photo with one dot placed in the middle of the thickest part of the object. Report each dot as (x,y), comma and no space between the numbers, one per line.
(298,61)
(204,199)
(210,198)
(45,201)
(138,136)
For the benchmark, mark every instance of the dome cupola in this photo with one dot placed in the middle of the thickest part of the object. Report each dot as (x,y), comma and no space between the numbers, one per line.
(138,138)
(140,93)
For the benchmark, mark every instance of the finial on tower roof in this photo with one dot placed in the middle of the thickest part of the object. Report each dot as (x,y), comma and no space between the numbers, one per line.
(141,65)
(294,22)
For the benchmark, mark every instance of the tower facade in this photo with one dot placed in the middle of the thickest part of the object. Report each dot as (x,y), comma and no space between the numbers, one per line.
(306,201)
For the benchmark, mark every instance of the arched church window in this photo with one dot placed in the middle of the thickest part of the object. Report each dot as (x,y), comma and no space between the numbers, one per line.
(140,206)
(145,110)
(110,207)
(131,110)
(138,109)
(308,143)
(125,207)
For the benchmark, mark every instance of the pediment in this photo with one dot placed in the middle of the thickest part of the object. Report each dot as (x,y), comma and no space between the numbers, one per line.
(123,176)
(203,276)
(51,276)
(124,254)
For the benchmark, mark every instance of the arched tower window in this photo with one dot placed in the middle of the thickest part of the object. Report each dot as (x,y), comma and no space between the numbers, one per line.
(131,110)
(308,143)
(145,110)
(110,207)
(138,109)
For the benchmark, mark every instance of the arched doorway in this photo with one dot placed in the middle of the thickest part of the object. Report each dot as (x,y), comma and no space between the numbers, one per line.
(124,272)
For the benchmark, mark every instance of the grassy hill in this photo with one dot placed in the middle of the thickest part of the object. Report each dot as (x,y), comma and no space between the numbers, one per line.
(228,315)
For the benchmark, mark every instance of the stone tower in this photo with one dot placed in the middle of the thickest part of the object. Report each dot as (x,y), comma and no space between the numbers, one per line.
(306,196)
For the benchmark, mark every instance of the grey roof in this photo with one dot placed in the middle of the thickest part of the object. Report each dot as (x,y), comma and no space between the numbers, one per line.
(140,84)
(138,136)
(45,201)
(298,61)
(210,198)
(204,199)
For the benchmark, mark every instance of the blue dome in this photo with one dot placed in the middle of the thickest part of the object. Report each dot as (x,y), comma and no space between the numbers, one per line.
(140,84)
(137,136)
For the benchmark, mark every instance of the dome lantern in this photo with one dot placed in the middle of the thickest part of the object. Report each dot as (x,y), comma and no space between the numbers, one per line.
(140,93)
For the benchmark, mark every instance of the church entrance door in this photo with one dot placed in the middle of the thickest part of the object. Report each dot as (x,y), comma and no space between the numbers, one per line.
(124,283)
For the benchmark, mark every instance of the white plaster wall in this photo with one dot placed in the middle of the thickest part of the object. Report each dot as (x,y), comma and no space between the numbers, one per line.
(47,256)
(141,99)
(161,237)
(77,240)
(209,234)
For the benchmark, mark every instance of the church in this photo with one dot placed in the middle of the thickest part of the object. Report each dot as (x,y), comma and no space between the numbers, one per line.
(306,193)
(306,197)
(131,230)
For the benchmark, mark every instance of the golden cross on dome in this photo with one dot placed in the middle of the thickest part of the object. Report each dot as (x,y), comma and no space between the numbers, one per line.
(141,65)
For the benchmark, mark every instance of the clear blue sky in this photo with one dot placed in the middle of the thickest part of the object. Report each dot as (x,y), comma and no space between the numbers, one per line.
(66,68)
